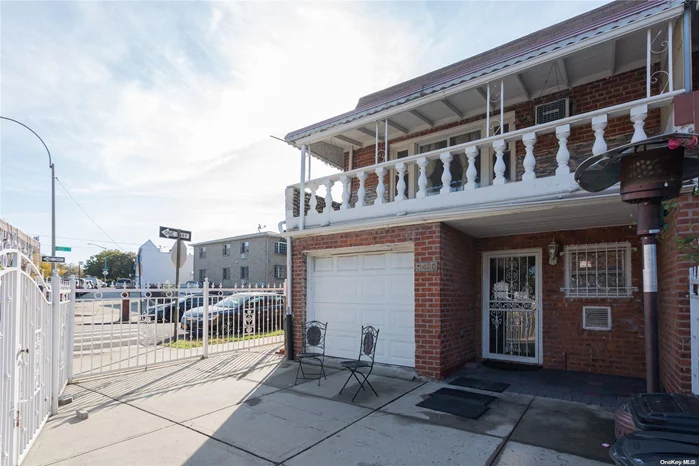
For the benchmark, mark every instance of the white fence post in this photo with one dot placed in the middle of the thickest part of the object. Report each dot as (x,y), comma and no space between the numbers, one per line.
(71,329)
(55,339)
(206,317)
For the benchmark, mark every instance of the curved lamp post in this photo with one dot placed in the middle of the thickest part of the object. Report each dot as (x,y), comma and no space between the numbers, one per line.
(53,187)
(650,171)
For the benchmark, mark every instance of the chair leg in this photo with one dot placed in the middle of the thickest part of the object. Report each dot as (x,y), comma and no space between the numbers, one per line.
(348,379)
(359,381)
(297,372)
(366,379)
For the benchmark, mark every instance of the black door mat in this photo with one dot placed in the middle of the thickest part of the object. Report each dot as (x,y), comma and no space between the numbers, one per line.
(452,405)
(477,398)
(480,384)
(510,366)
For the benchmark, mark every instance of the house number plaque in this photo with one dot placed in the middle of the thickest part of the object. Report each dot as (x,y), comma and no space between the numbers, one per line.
(426,266)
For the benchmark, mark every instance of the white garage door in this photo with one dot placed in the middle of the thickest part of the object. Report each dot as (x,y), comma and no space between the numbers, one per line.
(349,291)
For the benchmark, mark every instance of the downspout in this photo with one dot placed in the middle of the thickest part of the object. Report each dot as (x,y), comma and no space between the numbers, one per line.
(687,45)
(266,260)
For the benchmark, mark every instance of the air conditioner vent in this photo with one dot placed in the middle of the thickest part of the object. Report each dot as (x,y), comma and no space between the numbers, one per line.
(551,111)
(597,318)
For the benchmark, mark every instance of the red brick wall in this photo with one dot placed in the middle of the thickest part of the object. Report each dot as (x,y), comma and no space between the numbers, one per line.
(565,343)
(444,300)
(624,87)
(673,297)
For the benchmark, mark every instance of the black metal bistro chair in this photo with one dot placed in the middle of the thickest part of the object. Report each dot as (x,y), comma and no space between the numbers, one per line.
(313,348)
(367,352)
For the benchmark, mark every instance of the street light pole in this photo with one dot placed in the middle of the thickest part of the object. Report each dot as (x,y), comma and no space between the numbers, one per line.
(105,259)
(53,188)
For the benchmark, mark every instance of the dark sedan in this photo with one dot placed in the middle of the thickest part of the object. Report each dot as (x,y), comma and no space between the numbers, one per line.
(164,311)
(241,314)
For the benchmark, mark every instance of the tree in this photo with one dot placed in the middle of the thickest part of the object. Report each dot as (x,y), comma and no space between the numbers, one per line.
(120,264)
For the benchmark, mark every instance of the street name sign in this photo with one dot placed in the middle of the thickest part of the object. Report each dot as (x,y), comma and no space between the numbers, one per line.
(174,233)
(63,248)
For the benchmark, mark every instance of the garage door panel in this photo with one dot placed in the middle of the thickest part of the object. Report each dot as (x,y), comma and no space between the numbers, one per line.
(367,289)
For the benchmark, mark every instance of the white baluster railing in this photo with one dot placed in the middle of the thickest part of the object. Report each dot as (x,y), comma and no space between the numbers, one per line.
(403,171)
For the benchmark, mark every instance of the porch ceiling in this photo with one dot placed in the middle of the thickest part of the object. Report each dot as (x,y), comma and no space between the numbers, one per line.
(607,213)
(590,64)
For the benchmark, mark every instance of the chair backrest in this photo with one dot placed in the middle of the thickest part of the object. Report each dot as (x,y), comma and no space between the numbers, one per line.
(367,349)
(314,335)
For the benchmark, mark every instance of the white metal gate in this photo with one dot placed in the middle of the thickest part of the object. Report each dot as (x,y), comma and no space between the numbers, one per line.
(34,366)
(120,329)
(694,327)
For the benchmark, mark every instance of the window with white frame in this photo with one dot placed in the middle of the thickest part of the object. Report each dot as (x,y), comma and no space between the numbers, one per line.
(280,247)
(244,273)
(202,252)
(279,272)
(226,249)
(202,275)
(244,249)
(598,270)
(226,273)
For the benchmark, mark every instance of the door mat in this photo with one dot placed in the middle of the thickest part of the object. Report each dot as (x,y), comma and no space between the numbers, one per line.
(452,405)
(477,398)
(510,366)
(480,384)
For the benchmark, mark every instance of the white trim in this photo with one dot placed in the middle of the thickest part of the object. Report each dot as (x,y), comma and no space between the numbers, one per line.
(485,313)
(494,76)
(375,249)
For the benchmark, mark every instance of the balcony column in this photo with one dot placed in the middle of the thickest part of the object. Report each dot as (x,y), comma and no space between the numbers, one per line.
(380,187)
(472,171)
(562,156)
(422,179)
(302,189)
(529,162)
(500,167)
(400,185)
(638,117)
(313,202)
(345,192)
(599,123)
(328,196)
(446,173)
(361,192)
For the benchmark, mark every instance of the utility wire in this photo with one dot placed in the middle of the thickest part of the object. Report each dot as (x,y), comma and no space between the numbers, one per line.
(88,215)
(83,239)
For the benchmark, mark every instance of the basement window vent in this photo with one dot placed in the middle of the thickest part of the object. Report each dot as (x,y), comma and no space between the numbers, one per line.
(597,318)
(552,111)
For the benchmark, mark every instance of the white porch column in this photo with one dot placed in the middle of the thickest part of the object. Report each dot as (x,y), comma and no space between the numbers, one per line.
(302,189)
(400,185)
(563,156)
(638,117)
(361,192)
(529,162)
(599,123)
(472,171)
(446,158)
(500,167)
(422,179)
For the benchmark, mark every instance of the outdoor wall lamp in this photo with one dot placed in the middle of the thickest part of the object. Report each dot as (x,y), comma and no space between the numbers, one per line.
(649,171)
(553,252)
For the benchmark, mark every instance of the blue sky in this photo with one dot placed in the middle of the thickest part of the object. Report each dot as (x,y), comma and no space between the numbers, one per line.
(159,113)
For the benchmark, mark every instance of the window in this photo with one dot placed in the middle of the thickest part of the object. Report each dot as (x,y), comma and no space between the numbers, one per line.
(598,271)
(226,249)
(226,273)
(202,252)
(244,249)
(202,275)
(280,247)
(244,273)
(280,272)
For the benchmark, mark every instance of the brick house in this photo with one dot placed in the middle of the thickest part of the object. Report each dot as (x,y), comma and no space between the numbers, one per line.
(258,258)
(456,227)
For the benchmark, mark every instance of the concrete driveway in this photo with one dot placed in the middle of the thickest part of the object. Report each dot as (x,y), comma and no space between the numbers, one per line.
(244,409)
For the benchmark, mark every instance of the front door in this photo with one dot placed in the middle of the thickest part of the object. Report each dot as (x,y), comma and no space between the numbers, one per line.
(512,306)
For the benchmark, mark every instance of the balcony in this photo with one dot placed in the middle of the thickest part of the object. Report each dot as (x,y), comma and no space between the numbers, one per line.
(540,169)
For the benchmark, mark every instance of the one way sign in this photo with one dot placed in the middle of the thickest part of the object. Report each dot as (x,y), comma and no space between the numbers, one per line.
(174,233)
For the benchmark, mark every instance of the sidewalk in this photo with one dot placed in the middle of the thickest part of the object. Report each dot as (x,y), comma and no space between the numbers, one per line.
(243,409)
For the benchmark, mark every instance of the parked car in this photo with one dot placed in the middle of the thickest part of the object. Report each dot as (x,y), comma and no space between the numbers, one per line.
(92,282)
(228,316)
(165,311)
(186,288)
(123,283)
